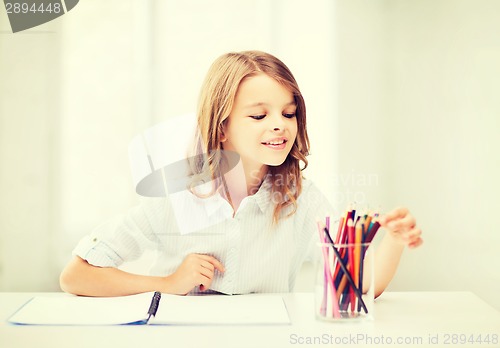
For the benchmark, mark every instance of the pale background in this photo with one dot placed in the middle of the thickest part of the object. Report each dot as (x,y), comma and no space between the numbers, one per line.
(403,109)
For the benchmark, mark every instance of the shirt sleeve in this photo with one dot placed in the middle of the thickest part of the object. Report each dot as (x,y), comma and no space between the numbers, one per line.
(125,237)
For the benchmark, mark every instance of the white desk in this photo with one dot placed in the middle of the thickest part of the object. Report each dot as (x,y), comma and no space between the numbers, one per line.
(417,316)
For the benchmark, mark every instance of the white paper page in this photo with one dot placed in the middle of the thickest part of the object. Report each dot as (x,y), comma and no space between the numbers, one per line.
(221,309)
(75,310)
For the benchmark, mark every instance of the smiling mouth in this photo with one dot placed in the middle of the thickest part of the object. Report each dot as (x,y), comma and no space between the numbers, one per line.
(275,142)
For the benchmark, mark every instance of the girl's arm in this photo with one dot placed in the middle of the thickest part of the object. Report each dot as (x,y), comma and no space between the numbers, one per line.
(402,231)
(81,278)
(387,256)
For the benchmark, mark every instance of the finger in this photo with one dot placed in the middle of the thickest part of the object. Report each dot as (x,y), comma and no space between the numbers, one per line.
(216,263)
(207,265)
(409,236)
(413,234)
(402,224)
(205,285)
(206,272)
(394,214)
(416,244)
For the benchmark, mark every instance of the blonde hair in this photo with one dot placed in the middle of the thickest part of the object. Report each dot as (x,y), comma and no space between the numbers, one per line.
(215,104)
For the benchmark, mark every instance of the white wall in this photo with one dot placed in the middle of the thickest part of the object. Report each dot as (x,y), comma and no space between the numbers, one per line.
(29,92)
(401,99)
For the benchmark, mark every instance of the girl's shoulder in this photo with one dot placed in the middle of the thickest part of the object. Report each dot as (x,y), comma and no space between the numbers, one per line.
(313,197)
(309,187)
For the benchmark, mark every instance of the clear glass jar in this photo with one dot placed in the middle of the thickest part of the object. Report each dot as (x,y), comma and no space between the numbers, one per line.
(341,295)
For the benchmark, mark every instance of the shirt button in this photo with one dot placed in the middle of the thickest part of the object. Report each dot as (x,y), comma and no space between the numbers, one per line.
(232,250)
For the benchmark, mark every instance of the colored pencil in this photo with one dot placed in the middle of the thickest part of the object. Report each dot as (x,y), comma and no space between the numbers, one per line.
(328,283)
(357,293)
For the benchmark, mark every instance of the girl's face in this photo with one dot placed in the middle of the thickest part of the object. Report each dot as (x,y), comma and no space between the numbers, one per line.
(262,126)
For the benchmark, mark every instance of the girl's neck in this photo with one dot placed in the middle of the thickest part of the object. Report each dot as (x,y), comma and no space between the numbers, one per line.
(244,181)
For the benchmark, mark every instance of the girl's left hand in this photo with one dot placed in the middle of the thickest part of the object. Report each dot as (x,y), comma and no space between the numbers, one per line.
(402,227)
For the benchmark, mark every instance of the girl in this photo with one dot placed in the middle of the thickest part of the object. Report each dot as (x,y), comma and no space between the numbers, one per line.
(250,104)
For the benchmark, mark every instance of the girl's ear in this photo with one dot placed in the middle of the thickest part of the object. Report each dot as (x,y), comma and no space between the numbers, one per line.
(222,129)
(223,137)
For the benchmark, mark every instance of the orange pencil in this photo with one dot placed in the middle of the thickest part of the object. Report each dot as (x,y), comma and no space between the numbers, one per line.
(339,231)
(357,248)
(357,252)
(350,256)
(342,285)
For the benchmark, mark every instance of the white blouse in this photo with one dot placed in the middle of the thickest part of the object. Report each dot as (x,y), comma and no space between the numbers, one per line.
(257,255)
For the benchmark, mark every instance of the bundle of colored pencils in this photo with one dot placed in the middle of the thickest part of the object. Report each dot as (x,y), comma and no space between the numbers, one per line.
(343,270)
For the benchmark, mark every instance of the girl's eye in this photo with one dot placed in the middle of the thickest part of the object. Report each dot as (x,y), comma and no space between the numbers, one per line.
(258,117)
(289,115)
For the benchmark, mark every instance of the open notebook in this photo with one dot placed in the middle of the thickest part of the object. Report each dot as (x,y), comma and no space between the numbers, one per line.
(171,310)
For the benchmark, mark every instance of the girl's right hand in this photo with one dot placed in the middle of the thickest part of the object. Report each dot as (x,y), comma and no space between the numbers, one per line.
(196,269)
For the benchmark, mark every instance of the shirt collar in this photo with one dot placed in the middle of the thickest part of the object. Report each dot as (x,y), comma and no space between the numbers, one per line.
(262,198)
(263,195)
(215,203)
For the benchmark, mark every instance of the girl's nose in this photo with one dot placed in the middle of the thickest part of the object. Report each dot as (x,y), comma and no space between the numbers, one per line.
(278,123)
